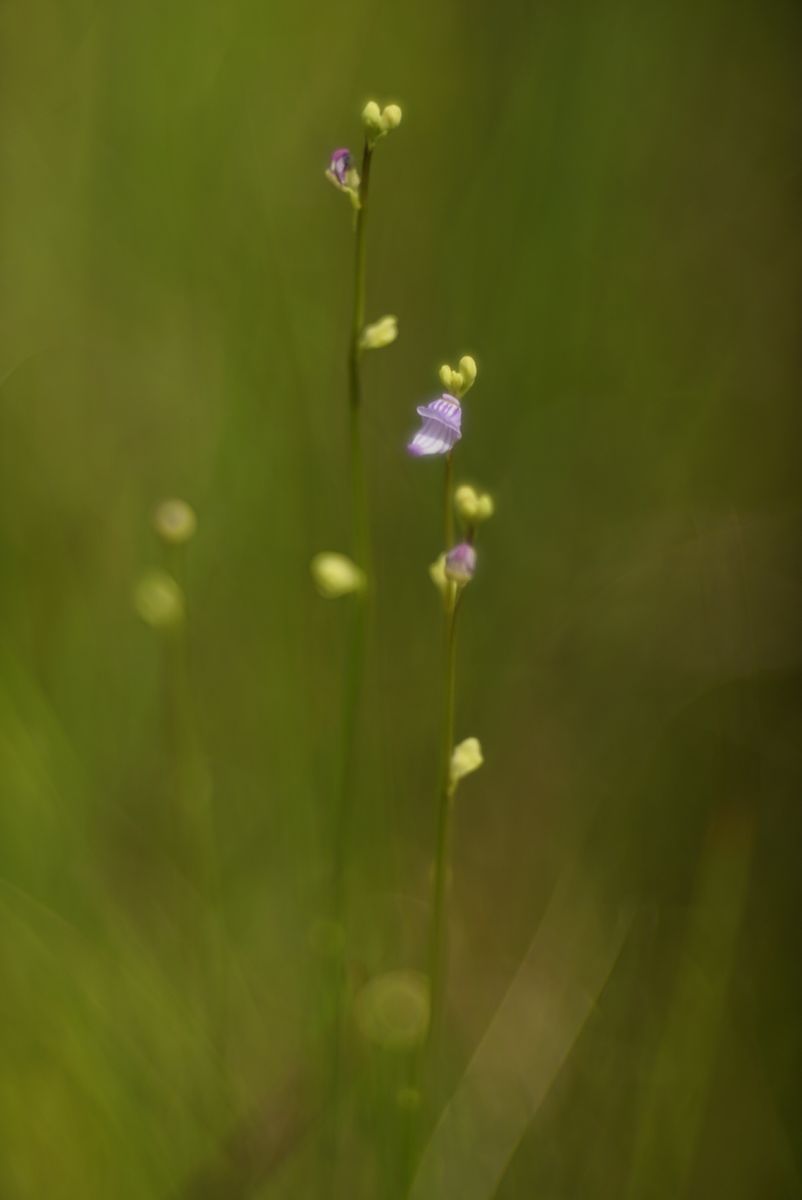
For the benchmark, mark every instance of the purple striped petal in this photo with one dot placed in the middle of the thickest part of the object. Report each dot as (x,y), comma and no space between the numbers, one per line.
(340,164)
(441,427)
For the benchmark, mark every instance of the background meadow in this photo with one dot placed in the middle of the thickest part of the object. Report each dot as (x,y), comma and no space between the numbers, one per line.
(600,201)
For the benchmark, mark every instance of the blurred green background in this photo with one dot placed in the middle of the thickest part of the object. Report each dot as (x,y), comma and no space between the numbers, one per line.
(600,201)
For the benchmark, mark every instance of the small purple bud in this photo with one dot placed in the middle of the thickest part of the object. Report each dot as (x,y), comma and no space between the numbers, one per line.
(340,165)
(441,428)
(461,563)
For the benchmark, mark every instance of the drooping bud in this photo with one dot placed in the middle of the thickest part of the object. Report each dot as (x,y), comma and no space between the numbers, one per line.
(381,333)
(465,758)
(336,575)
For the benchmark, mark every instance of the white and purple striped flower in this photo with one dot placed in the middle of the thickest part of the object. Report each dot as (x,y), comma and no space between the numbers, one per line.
(441,428)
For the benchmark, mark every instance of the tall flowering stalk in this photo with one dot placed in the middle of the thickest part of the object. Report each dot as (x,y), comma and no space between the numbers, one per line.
(440,431)
(327,569)
(337,574)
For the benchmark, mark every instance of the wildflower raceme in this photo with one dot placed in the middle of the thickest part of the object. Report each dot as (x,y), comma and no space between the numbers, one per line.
(440,431)
(351,575)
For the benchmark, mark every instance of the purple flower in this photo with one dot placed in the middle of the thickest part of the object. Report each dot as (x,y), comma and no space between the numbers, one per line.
(441,428)
(340,165)
(461,563)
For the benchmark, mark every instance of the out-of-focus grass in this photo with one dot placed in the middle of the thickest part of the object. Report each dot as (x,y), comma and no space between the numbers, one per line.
(599,200)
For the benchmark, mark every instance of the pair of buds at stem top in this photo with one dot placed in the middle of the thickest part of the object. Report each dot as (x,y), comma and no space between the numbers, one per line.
(379,121)
(460,380)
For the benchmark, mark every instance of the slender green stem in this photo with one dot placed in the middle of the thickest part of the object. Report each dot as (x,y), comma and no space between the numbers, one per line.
(438,945)
(355,660)
(448,505)
(424,1063)
(437,948)
(423,1066)
(361,551)
(354,671)
(360,529)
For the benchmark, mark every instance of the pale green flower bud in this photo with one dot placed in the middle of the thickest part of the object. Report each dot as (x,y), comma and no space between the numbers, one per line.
(174,521)
(466,502)
(445,586)
(467,371)
(484,507)
(472,507)
(391,117)
(159,600)
(392,1010)
(439,577)
(458,382)
(437,574)
(382,333)
(466,758)
(336,575)
(372,117)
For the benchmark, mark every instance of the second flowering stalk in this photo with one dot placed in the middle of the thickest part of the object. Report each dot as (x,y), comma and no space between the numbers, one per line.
(440,431)
(337,575)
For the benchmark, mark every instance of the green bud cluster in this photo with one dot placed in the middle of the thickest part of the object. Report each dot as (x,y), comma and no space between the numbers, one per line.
(472,506)
(458,381)
(378,122)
